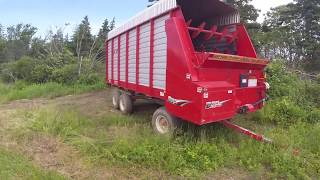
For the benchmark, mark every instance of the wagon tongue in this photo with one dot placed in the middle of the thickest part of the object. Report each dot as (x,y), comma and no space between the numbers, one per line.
(245,131)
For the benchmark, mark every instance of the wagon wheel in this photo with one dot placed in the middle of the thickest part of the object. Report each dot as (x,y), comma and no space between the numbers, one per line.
(164,123)
(116,98)
(126,104)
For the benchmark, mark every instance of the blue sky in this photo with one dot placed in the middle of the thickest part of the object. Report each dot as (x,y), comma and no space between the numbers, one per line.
(49,14)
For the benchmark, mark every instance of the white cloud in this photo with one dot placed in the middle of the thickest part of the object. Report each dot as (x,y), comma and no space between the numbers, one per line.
(266,5)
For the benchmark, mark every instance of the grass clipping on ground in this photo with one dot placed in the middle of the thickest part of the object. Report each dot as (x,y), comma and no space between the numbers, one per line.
(15,166)
(129,141)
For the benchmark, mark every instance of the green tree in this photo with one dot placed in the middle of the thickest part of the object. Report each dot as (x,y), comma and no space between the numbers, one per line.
(291,32)
(1,32)
(112,24)
(103,32)
(82,38)
(248,12)
(98,52)
(248,15)
(19,39)
(308,18)
(2,44)
(278,37)
(83,42)
(39,48)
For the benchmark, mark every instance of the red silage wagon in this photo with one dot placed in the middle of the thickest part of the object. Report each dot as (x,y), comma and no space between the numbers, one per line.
(194,58)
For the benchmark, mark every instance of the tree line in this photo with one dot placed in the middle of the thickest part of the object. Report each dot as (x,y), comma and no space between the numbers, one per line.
(56,57)
(289,33)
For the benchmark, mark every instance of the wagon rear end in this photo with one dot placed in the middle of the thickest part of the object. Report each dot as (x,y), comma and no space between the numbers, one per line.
(194,58)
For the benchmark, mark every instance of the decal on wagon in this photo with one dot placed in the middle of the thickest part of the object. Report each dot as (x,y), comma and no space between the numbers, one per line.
(178,102)
(216,104)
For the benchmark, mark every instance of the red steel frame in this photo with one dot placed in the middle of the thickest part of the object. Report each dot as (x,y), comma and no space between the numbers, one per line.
(198,78)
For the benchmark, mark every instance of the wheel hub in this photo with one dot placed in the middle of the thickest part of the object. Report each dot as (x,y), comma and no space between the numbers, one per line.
(162,124)
(114,101)
(121,105)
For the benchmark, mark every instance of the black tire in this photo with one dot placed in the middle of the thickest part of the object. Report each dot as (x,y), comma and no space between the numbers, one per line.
(164,123)
(116,98)
(126,104)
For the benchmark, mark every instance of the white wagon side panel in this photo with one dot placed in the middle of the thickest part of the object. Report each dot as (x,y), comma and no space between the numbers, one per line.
(115,59)
(144,55)
(132,56)
(123,55)
(160,53)
(129,42)
(109,59)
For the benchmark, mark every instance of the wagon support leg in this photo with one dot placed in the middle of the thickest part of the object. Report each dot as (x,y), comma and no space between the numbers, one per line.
(247,132)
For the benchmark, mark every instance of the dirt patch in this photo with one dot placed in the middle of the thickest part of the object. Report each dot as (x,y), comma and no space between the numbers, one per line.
(24,104)
(51,154)
(94,104)
(231,174)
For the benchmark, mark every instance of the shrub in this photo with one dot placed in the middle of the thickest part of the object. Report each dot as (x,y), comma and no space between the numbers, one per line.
(314,116)
(20,69)
(282,83)
(40,74)
(292,99)
(57,61)
(89,79)
(312,93)
(67,74)
(282,111)
(6,73)
(20,85)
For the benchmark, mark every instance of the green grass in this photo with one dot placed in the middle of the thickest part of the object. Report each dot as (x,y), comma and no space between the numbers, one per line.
(118,140)
(15,166)
(49,90)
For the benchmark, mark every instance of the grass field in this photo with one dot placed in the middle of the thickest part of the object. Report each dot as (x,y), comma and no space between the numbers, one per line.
(20,90)
(111,140)
(81,137)
(193,152)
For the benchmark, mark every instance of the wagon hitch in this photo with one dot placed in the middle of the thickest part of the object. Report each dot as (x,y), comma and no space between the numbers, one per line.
(247,132)
(251,107)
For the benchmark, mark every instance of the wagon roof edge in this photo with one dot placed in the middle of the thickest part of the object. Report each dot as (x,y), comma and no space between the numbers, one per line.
(159,8)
